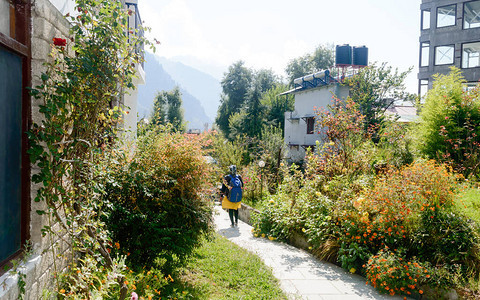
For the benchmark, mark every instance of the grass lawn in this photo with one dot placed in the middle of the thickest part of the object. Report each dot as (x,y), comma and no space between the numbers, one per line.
(468,202)
(222,270)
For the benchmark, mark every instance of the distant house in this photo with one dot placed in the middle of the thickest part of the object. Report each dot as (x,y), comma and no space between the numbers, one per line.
(404,113)
(311,91)
(26,32)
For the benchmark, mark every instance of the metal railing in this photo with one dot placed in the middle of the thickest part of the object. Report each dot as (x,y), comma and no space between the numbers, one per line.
(134,26)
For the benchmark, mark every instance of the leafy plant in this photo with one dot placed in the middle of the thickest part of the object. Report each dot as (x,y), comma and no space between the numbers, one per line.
(448,130)
(154,205)
(78,100)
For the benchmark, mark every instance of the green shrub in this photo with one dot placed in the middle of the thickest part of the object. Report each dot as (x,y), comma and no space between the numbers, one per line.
(155,209)
(448,130)
(447,238)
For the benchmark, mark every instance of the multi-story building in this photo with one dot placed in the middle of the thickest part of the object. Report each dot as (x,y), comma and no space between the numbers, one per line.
(450,36)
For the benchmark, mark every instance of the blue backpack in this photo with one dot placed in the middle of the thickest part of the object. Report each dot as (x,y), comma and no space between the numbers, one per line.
(236,191)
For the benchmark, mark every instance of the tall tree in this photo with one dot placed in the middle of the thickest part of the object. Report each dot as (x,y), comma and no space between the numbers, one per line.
(159,114)
(266,79)
(254,112)
(235,86)
(276,105)
(375,89)
(322,58)
(167,109)
(175,110)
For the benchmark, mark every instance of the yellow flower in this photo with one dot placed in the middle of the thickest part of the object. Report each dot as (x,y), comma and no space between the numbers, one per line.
(303,230)
(62,291)
(271,238)
(353,270)
(271,201)
(263,235)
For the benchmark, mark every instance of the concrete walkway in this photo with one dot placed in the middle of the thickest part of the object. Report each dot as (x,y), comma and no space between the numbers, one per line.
(301,275)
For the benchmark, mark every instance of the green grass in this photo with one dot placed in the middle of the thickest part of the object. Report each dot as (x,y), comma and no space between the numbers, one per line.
(222,270)
(468,203)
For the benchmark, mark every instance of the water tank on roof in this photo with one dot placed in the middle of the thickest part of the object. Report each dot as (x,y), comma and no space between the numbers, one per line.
(343,55)
(360,56)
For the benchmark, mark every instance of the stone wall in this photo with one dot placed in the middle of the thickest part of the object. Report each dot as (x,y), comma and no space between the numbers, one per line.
(47,23)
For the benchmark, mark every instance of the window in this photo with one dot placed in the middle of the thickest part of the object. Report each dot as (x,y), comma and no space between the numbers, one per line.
(310,125)
(14,120)
(470,86)
(471,55)
(444,55)
(422,89)
(424,54)
(425,19)
(446,15)
(471,14)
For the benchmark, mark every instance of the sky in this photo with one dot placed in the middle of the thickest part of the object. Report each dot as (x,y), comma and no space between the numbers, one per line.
(213,34)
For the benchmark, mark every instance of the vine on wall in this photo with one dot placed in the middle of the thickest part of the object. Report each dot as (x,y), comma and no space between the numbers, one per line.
(81,111)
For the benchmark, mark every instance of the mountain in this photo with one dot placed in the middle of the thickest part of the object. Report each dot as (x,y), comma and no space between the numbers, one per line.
(202,86)
(158,79)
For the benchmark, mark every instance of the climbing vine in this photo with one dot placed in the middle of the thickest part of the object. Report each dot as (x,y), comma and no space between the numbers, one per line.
(80,103)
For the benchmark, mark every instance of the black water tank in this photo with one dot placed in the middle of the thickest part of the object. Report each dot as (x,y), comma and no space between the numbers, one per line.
(360,56)
(343,55)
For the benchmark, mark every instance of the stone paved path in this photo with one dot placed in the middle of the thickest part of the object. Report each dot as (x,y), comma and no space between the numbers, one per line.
(301,275)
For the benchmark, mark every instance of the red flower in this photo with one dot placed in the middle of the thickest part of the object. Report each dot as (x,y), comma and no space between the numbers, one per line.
(59,42)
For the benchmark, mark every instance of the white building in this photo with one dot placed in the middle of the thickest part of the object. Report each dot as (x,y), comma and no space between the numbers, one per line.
(311,92)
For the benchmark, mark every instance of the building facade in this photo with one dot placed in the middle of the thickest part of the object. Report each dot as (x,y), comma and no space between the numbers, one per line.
(311,92)
(450,36)
(26,31)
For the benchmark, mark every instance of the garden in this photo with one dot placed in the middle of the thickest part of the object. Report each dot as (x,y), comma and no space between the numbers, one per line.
(396,203)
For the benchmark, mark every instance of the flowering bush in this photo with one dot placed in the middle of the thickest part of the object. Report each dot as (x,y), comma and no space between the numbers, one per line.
(155,209)
(391,273)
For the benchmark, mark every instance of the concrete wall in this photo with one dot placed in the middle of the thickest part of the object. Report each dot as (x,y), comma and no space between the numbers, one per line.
(305,103)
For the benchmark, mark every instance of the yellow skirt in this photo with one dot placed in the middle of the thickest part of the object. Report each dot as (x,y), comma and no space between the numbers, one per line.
(230,205)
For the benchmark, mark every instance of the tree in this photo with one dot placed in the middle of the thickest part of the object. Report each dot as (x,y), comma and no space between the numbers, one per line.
(167,109)
(276,105)
(160,108)
(266,79)
(322,58)
(235,85)
(375,89)
(449,123)
(254,112)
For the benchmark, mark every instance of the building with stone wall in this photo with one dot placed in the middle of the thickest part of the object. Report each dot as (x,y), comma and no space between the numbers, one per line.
(26,31)
(450,36)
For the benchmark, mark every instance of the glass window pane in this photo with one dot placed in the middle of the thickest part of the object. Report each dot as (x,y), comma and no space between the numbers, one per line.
(471,14)
(425,19)
(444,55)
(10,153)
(424,54)
(446,15)
(470,55)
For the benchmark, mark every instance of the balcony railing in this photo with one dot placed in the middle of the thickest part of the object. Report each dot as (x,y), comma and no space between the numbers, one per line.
(134,25)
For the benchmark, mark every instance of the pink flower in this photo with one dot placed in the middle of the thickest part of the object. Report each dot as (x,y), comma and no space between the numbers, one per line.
(134,296)
(446,118)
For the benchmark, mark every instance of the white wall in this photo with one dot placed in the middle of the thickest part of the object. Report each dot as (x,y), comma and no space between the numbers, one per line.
(305,103)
